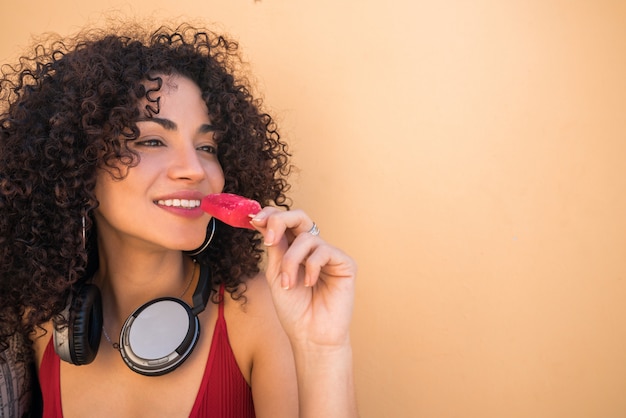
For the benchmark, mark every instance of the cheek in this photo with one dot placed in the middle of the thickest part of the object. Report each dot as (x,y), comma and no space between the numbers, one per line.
(102,186)
(109,197)
(215,175)
(108,182)
(115,192)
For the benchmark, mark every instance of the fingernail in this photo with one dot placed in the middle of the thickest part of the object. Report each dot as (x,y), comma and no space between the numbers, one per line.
(284,281)
(269,238)
(258,216)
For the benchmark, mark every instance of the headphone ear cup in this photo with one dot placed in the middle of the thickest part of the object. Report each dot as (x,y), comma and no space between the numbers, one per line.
(78,342)
(86,324)
(159,336)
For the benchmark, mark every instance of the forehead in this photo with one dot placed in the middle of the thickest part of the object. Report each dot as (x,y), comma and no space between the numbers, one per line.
(163,83)
(162,92)
(159,85)
(175,102)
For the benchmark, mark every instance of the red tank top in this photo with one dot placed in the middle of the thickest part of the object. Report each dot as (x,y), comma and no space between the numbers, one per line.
(223,393)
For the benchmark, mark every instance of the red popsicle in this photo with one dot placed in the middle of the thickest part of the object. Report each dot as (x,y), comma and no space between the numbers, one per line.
(231,209)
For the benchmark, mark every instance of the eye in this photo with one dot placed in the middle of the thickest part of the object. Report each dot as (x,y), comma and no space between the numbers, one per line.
(211,149)
(152,142)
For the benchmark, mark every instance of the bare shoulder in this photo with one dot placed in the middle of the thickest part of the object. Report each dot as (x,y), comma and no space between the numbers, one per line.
(251,316)
(262,349)
(255,296)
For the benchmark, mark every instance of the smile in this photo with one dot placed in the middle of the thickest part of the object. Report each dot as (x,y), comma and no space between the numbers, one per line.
(179,203)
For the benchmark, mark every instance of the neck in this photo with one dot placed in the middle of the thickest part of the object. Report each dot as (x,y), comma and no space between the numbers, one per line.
(127,280)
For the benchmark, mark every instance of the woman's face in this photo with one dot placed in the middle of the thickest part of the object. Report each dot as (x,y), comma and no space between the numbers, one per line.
(157,203)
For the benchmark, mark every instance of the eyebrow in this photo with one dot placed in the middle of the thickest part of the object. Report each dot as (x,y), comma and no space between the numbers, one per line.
(171,126)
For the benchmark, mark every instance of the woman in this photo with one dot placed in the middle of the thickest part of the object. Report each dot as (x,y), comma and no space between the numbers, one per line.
(109,141)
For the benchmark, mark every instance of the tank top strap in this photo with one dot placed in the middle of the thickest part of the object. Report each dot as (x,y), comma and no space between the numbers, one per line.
(220,306)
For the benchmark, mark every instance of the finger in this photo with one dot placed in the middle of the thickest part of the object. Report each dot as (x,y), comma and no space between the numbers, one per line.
(259,222)
(296,257)
(329,264)
(308,257)
(277,223)
(319,258)
(275,254)
(280,229)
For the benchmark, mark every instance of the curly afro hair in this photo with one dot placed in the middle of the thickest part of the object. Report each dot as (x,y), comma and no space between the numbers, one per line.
(69,109)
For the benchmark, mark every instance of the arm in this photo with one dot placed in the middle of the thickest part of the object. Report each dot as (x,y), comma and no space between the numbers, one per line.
(262,347)
(325,382)
(312,287)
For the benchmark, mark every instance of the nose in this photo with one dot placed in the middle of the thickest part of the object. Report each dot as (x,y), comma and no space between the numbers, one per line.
(185,164)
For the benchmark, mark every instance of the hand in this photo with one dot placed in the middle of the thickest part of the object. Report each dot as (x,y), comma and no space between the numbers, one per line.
(312,282)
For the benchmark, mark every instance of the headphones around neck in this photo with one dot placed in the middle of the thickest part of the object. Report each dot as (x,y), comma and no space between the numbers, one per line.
(155,339)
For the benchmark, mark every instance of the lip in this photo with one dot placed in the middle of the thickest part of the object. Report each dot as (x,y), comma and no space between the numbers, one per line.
(184,203)
(182,194)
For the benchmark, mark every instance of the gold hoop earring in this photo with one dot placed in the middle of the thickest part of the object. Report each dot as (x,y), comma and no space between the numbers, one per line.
(84,234)
(207,240)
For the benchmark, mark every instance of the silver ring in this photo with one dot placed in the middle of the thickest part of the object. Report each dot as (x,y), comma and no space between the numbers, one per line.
(315,231)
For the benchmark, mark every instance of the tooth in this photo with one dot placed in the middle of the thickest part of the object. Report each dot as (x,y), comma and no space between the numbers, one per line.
(185,203)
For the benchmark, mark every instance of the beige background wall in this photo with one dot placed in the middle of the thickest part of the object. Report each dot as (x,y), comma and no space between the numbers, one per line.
(470,156)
